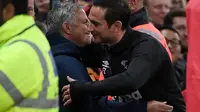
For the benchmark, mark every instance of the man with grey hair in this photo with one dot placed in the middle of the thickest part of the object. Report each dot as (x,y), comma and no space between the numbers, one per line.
(68,29)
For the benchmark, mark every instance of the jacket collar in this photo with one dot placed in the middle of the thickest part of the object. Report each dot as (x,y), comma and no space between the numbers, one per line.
(56,38)
(61,45)
(124,43)
(14,26)
(138,18)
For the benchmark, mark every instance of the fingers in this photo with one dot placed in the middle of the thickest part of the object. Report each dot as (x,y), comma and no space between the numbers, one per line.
(67,102)
(70,79)
(156,106)
(66,97)
(65,88)
(166,108)
(67,92)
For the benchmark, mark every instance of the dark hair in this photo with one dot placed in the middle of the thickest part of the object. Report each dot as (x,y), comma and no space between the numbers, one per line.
(145,2)
(21,6)
(168,27)
(116,10)
(179,12)
(4,3)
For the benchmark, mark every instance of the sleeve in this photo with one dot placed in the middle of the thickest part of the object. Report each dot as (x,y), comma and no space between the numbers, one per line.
(146,59)
(69,66)
(116,106)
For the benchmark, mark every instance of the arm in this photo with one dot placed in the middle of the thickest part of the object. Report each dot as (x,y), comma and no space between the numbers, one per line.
(116,106)
(146,59)
(69,66)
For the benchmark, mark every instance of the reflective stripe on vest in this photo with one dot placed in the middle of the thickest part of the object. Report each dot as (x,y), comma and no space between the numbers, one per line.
(41,102)
(153,34)
(152,31)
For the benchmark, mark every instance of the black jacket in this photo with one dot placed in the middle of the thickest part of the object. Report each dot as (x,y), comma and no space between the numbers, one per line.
(141,17)
(137,62)
(138,18)
(68,62)
(180,70)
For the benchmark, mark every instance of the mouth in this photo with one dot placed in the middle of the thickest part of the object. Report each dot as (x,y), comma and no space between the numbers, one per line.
(89,35)
(94,33)
(171,50)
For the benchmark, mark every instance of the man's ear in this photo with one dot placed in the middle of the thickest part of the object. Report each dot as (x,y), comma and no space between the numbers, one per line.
(67,28)
(116,26)
(8,12)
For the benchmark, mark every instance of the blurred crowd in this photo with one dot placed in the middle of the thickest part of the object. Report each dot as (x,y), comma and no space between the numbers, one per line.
(168,16)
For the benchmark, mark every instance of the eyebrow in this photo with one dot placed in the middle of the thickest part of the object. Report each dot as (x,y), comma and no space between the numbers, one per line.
(174,39)
(95,22)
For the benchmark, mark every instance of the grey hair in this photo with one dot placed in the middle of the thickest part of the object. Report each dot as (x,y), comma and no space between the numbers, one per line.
(65,12)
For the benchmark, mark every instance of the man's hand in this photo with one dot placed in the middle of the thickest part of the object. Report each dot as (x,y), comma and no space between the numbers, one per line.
(155,106)
(66,92)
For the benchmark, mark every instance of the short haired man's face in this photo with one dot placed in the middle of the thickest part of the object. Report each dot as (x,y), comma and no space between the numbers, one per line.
(6,12)
(102,33)
(158,9)
(173,41)
(31,10)
(81,29)
(180,25)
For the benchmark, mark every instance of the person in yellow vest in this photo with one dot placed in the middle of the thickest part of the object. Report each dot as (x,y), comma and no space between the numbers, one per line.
(28,77)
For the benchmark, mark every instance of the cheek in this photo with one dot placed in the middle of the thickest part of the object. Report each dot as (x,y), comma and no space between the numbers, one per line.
(155,11)
(79,30)
(83,28)
(177,52)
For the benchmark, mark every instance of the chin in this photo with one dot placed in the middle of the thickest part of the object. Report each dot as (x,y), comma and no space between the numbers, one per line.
(89,42)
(96,41)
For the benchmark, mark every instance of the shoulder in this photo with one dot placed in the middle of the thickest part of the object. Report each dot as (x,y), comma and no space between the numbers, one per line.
(20,58)
(146,44)
(69,64)
(72,67)
(67,60)
(143,38)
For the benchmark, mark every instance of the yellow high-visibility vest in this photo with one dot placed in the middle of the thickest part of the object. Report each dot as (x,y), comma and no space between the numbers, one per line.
(28,77)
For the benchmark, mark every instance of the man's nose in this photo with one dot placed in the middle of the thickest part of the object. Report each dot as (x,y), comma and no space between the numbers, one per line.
(91,28)
(169,45)
(164,10)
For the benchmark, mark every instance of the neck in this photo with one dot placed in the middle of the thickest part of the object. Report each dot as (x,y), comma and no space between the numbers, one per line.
(118,38)
(70,38)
